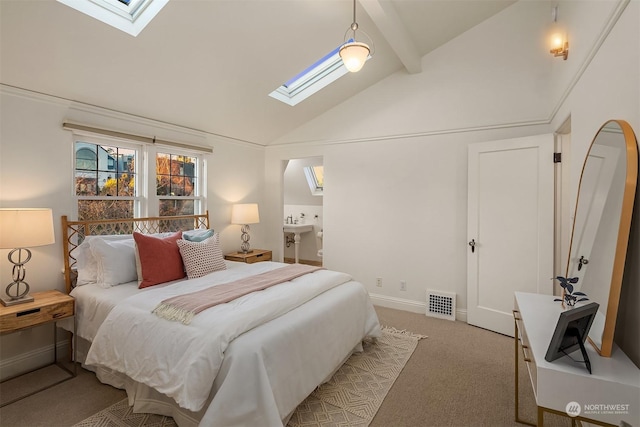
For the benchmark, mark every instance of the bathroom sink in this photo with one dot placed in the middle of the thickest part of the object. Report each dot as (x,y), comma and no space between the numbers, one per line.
(297,228)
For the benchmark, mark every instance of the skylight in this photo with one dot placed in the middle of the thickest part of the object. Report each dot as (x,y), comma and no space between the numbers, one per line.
(315,179)
(322,73)
(130,16)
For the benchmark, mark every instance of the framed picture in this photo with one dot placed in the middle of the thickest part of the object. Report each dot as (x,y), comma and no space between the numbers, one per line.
(571,332)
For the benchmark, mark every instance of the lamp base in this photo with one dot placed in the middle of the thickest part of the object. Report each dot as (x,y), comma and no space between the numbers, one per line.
(7,302)
(244,246)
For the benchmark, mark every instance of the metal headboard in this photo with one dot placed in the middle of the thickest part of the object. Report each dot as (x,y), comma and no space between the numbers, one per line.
(74,232)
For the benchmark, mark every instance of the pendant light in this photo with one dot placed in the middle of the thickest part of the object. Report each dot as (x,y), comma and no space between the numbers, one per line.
(354,53)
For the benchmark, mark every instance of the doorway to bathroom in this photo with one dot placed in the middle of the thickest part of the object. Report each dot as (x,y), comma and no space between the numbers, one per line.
(303,211)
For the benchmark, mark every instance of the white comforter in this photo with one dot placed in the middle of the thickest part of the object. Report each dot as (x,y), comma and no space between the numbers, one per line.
(182,361)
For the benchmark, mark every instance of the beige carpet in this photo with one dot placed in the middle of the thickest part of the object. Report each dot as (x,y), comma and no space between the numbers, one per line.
(351,398)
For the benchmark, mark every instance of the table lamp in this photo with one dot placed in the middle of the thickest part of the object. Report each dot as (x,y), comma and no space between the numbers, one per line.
(245,214)
(22,228)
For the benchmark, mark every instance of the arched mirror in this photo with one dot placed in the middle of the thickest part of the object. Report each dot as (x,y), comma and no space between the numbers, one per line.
(601,225)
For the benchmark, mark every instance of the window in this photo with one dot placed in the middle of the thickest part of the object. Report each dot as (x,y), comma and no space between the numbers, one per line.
(319,75)
(104,181)
(176,184)
(108,185)
(315,179)
(130,16)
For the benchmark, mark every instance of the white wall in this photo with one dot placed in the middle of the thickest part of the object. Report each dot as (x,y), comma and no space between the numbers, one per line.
(36,157)
(395,156)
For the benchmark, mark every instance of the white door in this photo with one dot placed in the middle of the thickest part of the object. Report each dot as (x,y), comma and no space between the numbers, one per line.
(510,227)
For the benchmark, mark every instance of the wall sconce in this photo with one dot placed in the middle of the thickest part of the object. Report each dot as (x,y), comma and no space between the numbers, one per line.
(559,46)
(559,43)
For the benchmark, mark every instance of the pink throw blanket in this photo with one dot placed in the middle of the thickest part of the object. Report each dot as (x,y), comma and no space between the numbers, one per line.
(182,308)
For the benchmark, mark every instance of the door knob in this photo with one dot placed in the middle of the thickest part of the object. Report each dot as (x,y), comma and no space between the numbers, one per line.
(582,261)
(472,243)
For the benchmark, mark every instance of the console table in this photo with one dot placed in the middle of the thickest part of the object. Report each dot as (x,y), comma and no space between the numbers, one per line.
(607,397)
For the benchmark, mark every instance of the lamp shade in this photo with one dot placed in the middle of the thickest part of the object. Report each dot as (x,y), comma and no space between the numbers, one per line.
(354,55)
(246,213)
(26,228)
(557,41)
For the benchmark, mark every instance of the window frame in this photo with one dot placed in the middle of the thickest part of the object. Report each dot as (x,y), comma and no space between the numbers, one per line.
(199,200)
(317,76)
(131,18)
(146,203)
(312,180)
(137,198)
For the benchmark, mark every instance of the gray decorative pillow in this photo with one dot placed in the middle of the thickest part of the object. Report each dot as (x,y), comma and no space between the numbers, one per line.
(197,235)
(202,258)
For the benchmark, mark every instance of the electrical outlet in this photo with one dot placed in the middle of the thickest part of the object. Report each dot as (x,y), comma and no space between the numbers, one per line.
(403,285)
(379,282)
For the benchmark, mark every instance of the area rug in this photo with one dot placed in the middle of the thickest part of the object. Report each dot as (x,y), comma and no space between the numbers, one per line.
(350,398)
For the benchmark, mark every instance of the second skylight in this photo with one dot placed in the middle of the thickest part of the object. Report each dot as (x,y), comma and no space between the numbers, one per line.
(322,73)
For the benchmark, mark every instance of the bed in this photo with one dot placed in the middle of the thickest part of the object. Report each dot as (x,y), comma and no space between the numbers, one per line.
(247,362)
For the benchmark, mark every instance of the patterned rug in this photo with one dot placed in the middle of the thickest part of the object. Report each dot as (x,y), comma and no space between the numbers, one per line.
(350,398)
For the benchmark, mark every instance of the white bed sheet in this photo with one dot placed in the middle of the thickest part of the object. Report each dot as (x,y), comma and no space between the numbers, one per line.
(94,303)
(263,376)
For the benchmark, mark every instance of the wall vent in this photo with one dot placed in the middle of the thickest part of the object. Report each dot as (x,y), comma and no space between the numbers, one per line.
(441,304)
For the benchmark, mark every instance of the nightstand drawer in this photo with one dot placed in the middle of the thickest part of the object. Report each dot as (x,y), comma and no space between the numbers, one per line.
(257,255)
(46,308)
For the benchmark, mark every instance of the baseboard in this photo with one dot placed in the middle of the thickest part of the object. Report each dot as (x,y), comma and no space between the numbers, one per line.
(303,261)
(31,360)
(409,305)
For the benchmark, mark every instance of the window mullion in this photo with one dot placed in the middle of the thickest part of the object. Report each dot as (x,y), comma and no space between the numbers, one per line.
(153,202)
(202,188)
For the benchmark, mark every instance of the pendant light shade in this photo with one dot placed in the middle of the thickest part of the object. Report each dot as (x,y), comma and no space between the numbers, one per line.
(354,53)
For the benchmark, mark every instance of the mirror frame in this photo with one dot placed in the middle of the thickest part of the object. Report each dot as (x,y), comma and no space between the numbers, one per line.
(626,213)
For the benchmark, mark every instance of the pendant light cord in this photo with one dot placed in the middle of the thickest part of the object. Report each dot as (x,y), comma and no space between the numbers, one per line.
(354,25)
(354,11)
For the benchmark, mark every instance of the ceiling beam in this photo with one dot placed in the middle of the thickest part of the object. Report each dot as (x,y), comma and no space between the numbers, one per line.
(386,18)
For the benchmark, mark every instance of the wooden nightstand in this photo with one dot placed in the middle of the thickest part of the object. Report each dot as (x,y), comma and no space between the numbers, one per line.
(47,307)
(256,255)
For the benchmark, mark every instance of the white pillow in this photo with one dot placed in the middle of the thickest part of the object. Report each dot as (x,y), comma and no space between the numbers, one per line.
(116,261)
(86,264)
(202,258)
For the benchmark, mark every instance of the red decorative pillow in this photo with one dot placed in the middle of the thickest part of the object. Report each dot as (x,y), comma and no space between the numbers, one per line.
(158,259)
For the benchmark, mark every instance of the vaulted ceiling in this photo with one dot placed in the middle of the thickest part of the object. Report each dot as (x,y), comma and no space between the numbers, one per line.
(210,64)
